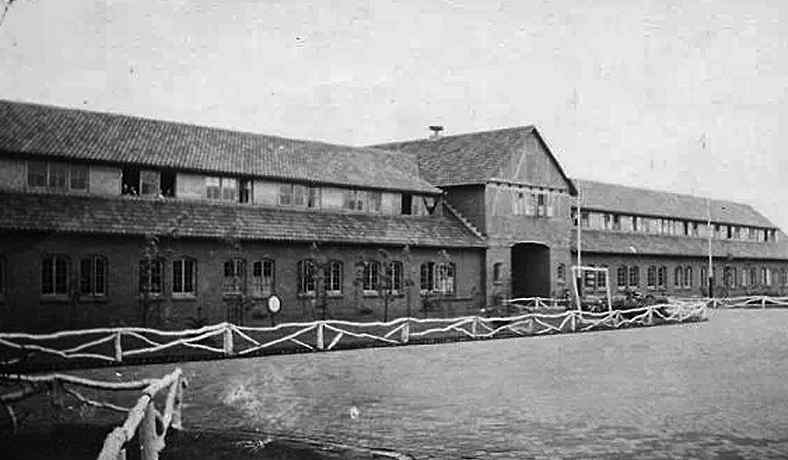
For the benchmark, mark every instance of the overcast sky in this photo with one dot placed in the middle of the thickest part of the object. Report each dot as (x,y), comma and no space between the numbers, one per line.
(623,91)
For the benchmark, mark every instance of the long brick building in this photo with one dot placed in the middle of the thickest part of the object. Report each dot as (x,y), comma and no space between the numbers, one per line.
(111,219)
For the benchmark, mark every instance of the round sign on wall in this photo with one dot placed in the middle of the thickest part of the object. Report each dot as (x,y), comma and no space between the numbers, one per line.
(273,304)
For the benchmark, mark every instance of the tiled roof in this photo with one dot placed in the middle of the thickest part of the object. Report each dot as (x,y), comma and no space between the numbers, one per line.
(139,216)
(632,200)
(607,242)
(45,130)
(469,158)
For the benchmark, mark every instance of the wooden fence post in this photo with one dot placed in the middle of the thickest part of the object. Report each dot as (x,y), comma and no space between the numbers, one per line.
(320,336)
(228,340)
(150,443)
(475,326)
(572,320)
(118,347)
(763,302)
(177,421)
(405,332)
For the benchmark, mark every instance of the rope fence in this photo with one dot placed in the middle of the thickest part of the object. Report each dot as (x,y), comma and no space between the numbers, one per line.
(142,419)
(125,345)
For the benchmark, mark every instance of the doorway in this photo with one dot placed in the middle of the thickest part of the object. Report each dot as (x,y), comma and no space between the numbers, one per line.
(530,270)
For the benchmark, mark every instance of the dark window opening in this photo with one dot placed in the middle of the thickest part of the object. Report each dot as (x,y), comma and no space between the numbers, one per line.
(130,181)
(245,191)
(407,203)
(168,183)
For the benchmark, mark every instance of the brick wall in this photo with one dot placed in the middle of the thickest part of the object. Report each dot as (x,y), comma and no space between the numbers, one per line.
(23,308)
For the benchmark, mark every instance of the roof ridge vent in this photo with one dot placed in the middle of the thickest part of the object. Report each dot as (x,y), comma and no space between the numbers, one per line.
(436,131)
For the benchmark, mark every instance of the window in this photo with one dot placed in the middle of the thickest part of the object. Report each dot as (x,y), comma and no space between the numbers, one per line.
(168,183)
(584,219)
(184,274)
(745,277)
(263,278)
(333,277)
(541,204)
(426,279)
(589,280)
(730,277)
(355,200)
(393,280)
(245,191)
(150,276)
(753,276)
(229,189)
(765,281)
(616,222)
(306,277)
(601,279)
(687,277)
(561,272)
(234,275)
(634,276)
(58,175)
(36,173)
(371,276)
(783,272)
(373,201)
(79,177)
(54,275)
(704,277)
(678,277)
(313,200)
(299,195)
(651,276)
(93,276)
(444,278)
(621,276)
(407,204)
(149,182)
(213,188)
(130,180)
(497,272)
(662,277)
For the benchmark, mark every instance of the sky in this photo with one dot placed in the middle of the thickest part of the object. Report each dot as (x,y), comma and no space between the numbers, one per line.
(685,96)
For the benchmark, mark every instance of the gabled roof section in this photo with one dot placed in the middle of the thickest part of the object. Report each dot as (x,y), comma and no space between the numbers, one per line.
(633,200)
(470,158)
(606,242)
(69,133)
(134,216)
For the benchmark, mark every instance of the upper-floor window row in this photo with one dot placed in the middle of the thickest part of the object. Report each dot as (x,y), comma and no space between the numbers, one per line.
(531,201)
(597,220)
(139,181)
(55,175)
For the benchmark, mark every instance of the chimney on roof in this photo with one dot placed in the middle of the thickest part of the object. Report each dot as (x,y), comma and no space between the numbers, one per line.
(436,131)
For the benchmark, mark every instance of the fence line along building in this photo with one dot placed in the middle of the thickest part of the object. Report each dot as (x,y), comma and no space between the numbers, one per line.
(111,219)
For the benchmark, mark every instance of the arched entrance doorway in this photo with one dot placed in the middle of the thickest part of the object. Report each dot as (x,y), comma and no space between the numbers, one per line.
(530,270)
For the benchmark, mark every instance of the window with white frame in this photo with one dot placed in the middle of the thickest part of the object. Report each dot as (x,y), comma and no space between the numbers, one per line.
(333,277)
(234,275)
(393,279)
(151,280)
(601,279)
(55,275)
(621,276)
(561,273)
(745,278)
(678,277)
(184,277)
(426,279)
(704,277)
(444,278)
(57,175)
(371,276)
(227,189)
(634,276)
(93,276)
(263,278)
(662,277)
